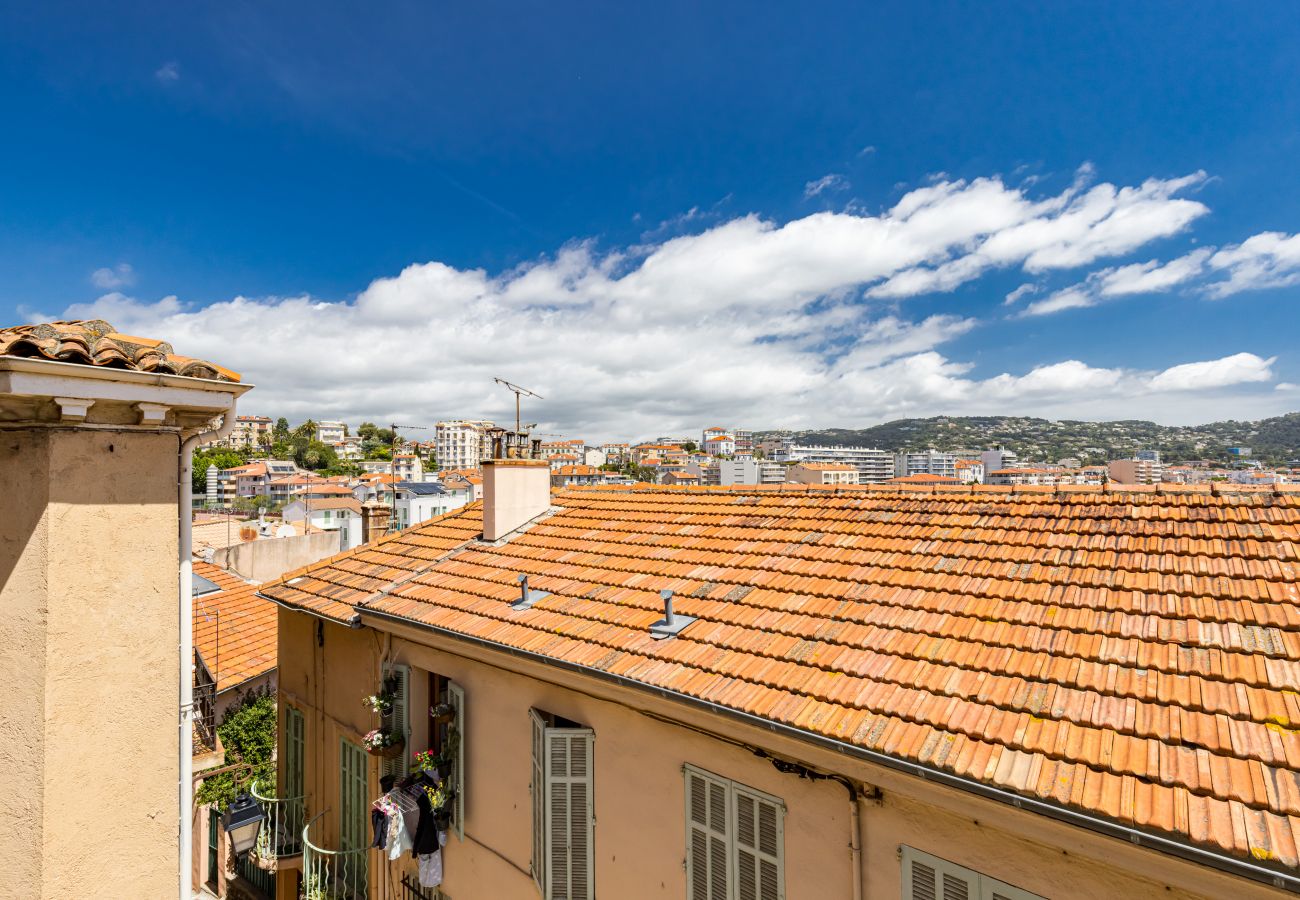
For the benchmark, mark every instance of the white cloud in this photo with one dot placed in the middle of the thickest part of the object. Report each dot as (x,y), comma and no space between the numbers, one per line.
(1152,277)
(1023,291)
(1070,298)
(1266,260)
(832,182)
(168,72)
(113,277)
(1240,368)
(748,321)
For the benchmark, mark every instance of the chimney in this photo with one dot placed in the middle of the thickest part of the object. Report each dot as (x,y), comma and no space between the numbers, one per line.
(515,491)
(374,520)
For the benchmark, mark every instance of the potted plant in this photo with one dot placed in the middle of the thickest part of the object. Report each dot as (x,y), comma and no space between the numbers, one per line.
(442,713)
(381,702)
(424,761)
(386,744)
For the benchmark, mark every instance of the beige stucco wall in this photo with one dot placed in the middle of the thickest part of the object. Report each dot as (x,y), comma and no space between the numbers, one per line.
(88,664)
(639,791)
(268,558)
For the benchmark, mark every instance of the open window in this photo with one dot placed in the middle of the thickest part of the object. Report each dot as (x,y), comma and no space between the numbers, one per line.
(563,804)
(446,741)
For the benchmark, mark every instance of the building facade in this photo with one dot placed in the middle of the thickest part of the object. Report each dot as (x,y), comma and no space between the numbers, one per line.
(874,466)
(461,444)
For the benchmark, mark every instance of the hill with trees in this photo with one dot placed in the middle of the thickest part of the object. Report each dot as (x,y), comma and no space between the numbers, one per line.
(1275,440)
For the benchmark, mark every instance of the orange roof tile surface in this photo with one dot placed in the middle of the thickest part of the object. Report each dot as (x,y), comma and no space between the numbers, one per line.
(923,478)
(235,632)
(94,342)
(1131,653)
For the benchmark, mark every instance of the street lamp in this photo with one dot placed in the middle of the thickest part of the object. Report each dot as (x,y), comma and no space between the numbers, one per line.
(242,821)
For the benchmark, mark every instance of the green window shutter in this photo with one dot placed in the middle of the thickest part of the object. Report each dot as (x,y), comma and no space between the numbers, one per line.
(568,812)
(456,695)
(537,787)
(760,839)
(354,803)
(294,740)
(927,877)
(399,719)
(707,855)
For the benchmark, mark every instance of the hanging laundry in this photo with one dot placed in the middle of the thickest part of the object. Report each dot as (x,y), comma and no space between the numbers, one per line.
(431,864)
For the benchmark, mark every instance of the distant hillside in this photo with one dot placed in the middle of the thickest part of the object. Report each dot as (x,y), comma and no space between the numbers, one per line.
(1272,440)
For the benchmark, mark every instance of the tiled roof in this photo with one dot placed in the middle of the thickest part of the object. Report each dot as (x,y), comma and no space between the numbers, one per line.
(923,478)
(1131,653)
(94,342)
(234,630)
(348,503)
(577,470)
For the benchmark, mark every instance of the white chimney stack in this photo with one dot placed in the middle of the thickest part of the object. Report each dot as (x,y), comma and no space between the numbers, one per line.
(515,491)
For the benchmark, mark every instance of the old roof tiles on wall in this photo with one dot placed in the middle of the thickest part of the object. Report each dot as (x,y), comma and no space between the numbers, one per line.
(94,342)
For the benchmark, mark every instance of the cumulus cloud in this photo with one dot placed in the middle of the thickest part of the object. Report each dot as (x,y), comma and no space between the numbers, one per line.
(1267,260)
(748,321)
(1023,291)
(832,182)
(168,72)
(111,278)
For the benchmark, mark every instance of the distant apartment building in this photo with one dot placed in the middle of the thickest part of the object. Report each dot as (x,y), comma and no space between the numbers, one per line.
(968,471)
(615,454)
(822,473)
(997,460)
(331,432)
(680,479)
(925,462)
(348,449)
(720,445)
(674,441)
(249,431)
(874,466)
(574,448)
(407,467)
(575,475)
(324,515)
(420,501)
(461,444)
(1027,475)
(1148,455)
(749,471)
(709,473)
(744,440)
(1135,471)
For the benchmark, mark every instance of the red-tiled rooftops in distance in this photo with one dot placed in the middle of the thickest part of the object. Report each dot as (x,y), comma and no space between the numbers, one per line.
(1136,651)
(923,478)
(94,342)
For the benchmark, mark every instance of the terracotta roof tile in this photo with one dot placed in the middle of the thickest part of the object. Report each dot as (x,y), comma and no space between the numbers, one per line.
(1135,654)
(94,342)
(235,631)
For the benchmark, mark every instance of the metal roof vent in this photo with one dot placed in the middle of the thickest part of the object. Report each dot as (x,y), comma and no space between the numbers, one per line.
(670,624)
(527,597)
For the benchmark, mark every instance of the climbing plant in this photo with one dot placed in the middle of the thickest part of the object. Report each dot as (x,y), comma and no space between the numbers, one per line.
(247,733)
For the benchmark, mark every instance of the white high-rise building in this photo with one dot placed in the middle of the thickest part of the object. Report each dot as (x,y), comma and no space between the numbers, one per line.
(748,471)
(925,462)
(874,466)
(997,460)
(331,432)
(461,444)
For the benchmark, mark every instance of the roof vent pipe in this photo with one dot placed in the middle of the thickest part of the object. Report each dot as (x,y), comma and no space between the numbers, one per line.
(527,596)
(670,624)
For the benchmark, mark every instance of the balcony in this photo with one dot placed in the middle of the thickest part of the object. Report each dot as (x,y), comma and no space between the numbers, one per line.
(331,874)
(281,833)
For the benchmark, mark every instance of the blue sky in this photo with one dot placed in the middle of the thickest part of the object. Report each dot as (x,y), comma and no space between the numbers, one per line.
(664,214)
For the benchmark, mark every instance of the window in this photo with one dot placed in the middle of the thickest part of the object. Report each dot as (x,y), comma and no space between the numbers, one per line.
(927,877)
(735,840)
(397,681)
(446,733)
(563,811)
(293,753)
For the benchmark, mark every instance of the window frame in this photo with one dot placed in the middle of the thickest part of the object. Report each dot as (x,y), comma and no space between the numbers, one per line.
(545,728)
(982,887)
(734,792)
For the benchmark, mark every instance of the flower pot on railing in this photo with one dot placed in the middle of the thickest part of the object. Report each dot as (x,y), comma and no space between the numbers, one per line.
(443,713)
(384,744)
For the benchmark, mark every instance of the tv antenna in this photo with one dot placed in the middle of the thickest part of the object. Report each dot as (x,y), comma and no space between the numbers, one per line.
(518,392)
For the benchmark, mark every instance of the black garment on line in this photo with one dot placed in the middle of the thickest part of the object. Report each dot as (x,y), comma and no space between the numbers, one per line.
(426,832)
(379,821)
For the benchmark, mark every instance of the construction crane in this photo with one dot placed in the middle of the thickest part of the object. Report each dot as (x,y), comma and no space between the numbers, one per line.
(518,392)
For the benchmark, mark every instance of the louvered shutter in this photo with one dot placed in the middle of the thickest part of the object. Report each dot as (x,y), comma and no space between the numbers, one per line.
(759,830)
(927,877)
(537,787)
(293,753)
(399,719)
(456,696)
(569,810)
(707,876)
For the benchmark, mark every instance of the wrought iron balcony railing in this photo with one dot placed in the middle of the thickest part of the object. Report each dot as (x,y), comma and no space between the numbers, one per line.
(331,874)
(282,829)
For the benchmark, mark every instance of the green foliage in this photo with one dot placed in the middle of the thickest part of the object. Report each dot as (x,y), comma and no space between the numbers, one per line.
(253,504)
(221,457)
(280,433)
(247,733)
(690,446)
(314,455)
(343,468)
(379,453)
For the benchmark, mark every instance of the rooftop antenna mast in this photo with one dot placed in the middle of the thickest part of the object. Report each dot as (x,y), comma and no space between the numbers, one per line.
(518,392)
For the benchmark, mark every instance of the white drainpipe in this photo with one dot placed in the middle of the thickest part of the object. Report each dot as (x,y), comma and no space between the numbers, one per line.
(185,546)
